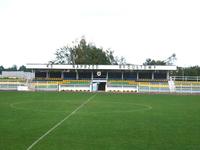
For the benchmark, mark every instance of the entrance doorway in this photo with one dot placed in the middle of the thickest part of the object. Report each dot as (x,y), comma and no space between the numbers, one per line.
(98,85)
(101,86)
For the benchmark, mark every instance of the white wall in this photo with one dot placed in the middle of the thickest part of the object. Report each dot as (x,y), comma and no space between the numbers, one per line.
(74,88)
(121,89)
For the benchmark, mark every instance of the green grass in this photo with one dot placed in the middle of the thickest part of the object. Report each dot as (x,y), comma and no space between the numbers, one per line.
(106,122)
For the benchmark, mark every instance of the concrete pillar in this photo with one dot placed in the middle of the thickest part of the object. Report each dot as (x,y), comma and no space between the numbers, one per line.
(107,75)
(152,76)
(77,75)
(33,71)
(137,75)
(92,75)
(62,75)
(47,74)
(122,75)
(167,75)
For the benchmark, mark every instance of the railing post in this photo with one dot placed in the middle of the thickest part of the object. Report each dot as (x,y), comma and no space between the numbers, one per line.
(181,88)
(159,90)
(138,87)
(149,87)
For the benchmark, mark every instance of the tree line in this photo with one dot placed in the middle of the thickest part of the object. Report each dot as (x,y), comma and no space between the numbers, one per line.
(181,71)
(13,68)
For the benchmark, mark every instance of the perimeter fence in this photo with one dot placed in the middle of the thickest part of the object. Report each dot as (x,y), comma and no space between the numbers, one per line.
(147,87)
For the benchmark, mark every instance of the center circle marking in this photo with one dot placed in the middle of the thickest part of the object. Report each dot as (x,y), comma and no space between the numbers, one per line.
(107,107)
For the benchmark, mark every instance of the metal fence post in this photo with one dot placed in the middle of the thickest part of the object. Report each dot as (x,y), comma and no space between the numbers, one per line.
(181,88)
(149,87)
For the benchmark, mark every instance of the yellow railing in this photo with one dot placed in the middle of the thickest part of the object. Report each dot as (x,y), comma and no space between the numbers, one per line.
(155,85)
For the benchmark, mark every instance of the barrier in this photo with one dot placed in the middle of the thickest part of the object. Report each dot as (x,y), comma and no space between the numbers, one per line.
(22,88)
(114,86)
(73,87)
(122,88)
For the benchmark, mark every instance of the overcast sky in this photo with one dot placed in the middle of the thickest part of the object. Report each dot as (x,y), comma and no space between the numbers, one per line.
(32,30)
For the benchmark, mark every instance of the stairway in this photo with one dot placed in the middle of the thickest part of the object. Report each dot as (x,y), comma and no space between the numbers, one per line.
(172,86)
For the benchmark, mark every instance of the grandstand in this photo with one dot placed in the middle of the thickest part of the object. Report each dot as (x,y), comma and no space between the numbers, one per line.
(108,78)
(115,78)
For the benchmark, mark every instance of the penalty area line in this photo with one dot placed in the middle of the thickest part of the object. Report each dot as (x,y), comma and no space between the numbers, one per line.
(60,122)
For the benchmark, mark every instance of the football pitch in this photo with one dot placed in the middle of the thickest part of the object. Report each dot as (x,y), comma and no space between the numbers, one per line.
(98,121)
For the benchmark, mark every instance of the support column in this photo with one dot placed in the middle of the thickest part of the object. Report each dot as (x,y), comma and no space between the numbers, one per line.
(122,75)
(152,76)
(77,75)
(167,75)
(92,75)
(47,74)
(62,75)
(107,75)
(137,75)
(33,71)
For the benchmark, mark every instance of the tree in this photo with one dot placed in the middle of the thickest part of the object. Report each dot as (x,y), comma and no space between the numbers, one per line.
(13,68)
(1,69)
(169,61)
(22,68)
(82,52)
(154,62)
(188,71)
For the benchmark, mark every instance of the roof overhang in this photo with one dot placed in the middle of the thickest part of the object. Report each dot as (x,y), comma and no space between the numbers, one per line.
(100,67)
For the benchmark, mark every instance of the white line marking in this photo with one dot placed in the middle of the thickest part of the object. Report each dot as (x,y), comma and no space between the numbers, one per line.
(14,106)
(60,122)
(146,107)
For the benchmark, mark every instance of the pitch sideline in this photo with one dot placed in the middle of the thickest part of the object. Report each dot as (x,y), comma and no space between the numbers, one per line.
(60,122)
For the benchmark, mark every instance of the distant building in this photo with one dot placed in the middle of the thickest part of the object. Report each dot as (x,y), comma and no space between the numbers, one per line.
(18,74)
